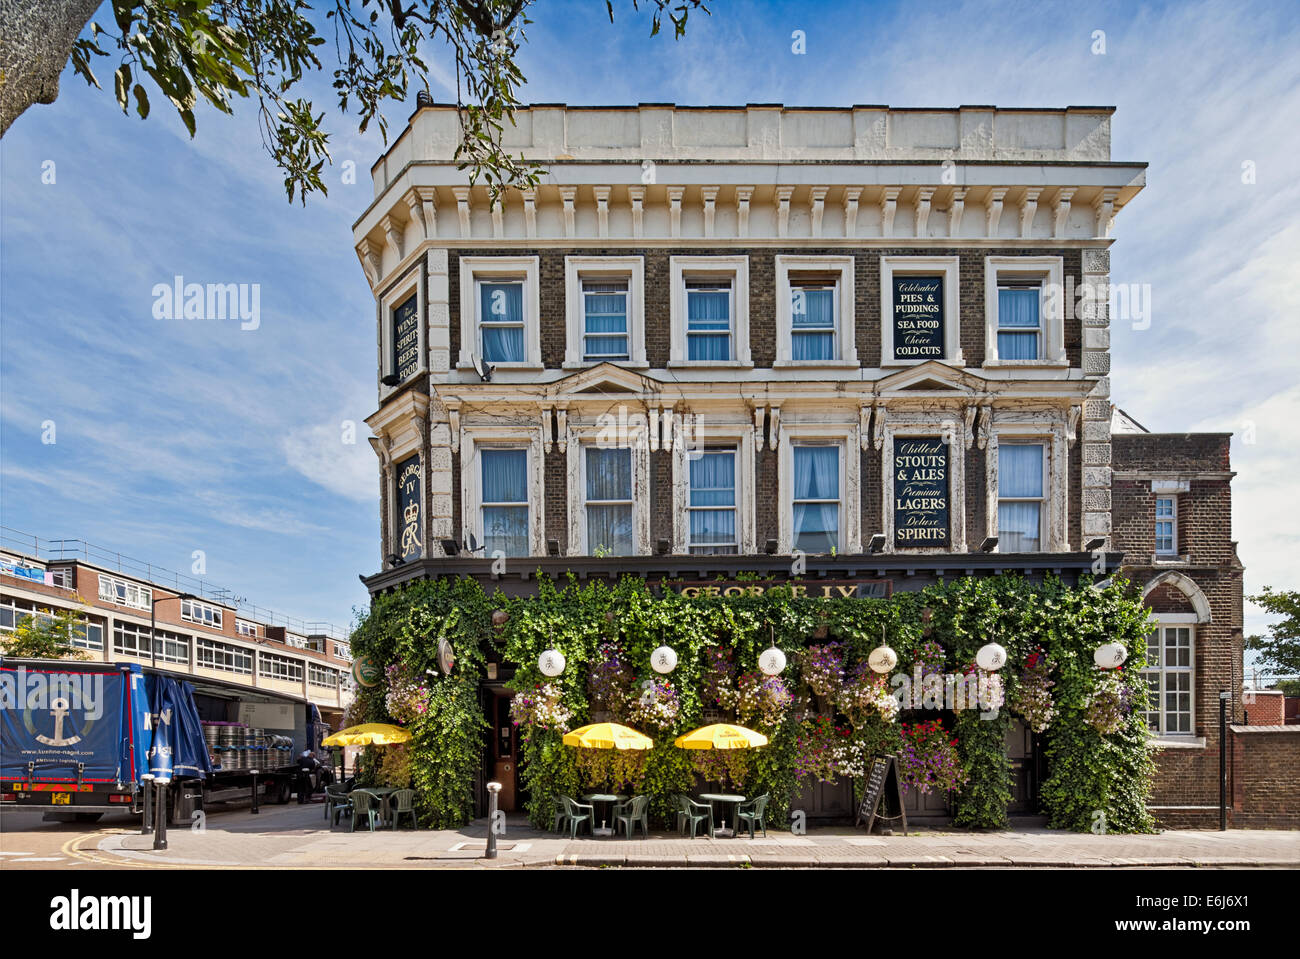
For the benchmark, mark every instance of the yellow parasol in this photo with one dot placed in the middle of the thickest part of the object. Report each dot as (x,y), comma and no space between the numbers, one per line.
(607,736)
(720,736)
(368,734)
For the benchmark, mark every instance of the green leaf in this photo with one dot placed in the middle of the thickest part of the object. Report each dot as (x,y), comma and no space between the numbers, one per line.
(141,101)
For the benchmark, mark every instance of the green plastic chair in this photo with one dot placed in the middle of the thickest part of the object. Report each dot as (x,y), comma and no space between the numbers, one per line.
(577,813)
(402,803)
(754,811)
(694,814)
(365,804)
(337,804)
(633,812)
(560,812)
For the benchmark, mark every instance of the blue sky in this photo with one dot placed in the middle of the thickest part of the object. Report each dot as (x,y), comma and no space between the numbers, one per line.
(175,436)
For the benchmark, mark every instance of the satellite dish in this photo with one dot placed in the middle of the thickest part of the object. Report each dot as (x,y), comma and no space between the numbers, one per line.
(473,543)
(446,656)
(482,369)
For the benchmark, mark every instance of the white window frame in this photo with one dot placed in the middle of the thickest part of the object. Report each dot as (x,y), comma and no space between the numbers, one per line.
(144,594)
(581,439)
(604,268)
(949,267)
(388,303)
(1172,551)
(846,350)
(475,439)
(332,680)
(683,268)
(189,606)
(1049,271)
(244,628)
(845,436)
(1163,621)
(1044,500)
(475,269)
(267,661)
(225,656)
(741,437)
(1033,426)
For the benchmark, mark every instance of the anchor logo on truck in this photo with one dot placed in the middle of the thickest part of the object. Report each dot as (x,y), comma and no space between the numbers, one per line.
(60,714)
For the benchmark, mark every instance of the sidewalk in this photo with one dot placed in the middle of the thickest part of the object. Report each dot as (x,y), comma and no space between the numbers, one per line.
(297,837)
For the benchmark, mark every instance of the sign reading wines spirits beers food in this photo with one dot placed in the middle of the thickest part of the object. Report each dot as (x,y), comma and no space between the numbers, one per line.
(406,340)
(408,508)
(920,492)
(918,317)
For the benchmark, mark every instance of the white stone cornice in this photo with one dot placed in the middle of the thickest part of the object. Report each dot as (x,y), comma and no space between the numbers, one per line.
(851,195)
(1061,210)
(567,196)
(393,231)
(993,210)
(758,428)
(743,195)
(371,260)
(675,194)
(709,197)
(817,208)
(530,212)
(783,195)
(956,208)
(602,210)
(924,196)
(888,207)
(462,210)
(636,197)
(1104,208)
(1028,207)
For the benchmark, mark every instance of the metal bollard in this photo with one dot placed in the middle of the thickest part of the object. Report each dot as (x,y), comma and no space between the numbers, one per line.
(255,809)
(493,790)
(160,814)
(146,827)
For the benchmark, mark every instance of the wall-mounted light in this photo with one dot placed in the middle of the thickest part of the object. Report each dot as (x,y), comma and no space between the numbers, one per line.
(989,545)
(877,543)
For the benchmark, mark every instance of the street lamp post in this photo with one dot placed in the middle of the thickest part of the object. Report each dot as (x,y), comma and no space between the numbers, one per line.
(153,628)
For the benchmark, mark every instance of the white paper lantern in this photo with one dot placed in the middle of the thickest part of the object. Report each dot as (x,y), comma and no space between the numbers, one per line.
(771,661)
(551,662)
(882,659)
(663,660)
(1110,655)
(991,657)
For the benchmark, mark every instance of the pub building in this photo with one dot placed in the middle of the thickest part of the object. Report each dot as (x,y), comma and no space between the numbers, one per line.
(716,340)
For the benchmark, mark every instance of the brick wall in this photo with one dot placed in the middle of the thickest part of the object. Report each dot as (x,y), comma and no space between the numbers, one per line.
(1265,708)
(1265,780)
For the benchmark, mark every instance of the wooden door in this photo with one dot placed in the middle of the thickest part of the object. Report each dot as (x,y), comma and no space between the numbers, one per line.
(505,753)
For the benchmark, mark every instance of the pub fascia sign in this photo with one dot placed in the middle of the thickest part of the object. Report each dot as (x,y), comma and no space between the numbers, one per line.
(920,492)
(833,589)
(918,318)
(408,508)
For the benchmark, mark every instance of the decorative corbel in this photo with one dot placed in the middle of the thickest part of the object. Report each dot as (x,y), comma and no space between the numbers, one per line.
(783,194)
(654,428)
(773,426)
(602,210)
(1104,209)
(498,217)
(462,209)
(379,443)
(530,211)
(666,422)
(818,207)
(864,427)
(993,210)
(394,234)
(1028,207)
(675,194)
(923,198)
(453,421)
(986,426)
(956,209)
(567,196)
(562,430)
(1061,210)
(878,431)
(888,207)
(743,195)
(636,197)
(758,428)
(547,428)
(969,416)
(1072,423)
(709,196)
(851,195)
(412,198)
(371,260)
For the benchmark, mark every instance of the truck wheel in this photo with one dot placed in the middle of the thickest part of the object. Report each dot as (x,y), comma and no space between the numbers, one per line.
(283,792)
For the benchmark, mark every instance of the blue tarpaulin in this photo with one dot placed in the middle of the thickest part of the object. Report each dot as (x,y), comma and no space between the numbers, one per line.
(178,749)
(57,719)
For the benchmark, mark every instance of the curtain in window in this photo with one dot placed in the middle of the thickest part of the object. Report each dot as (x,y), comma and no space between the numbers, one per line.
(609,477)
(816,476)
(605,316)
(1018,525)
(502,303)
(713,498)
(1018,308)
(708,325)
(813,334)
(505,480)
(1020,474)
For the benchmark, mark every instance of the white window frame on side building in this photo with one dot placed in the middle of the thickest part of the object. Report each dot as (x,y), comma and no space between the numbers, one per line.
(204,614)
(1049,273)
(577,270)
(948,267)
(846,351)
(121,591)
(1186,674)
(734,269)
(476,269)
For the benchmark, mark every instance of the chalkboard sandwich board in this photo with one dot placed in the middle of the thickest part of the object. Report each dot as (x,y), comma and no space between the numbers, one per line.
(882,784)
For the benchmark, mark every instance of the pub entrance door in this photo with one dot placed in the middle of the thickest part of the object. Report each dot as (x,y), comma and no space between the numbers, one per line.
(504,750)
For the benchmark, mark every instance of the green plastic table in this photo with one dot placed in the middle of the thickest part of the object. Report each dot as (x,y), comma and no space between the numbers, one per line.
(712,798)
(609,798)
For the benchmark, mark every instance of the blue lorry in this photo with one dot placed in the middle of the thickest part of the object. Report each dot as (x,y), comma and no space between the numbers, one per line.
(78,738)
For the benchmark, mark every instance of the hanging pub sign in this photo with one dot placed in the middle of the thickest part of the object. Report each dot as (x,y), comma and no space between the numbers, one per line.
(918,318)
(408,509)
(920,492)
(406,339)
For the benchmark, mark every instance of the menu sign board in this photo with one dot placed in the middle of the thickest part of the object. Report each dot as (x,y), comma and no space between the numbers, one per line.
(882,784)
(920,492)
(408,508)
(918,318)
(406,339)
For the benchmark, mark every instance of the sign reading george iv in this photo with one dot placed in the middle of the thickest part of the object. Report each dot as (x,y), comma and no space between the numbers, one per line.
(408,508)
(406,340)
(918,317)
(920,492)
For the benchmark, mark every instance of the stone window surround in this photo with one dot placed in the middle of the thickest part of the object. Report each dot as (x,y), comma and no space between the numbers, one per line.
(845,321)
(476,437)
(1047,427)
(738,268)
(576,268)
(475,268)
(1191,621)
(399,429)
(918,424)
(950,268)
(741,435)
(581,437)
(847,437)
(1051,271)
(398,294)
